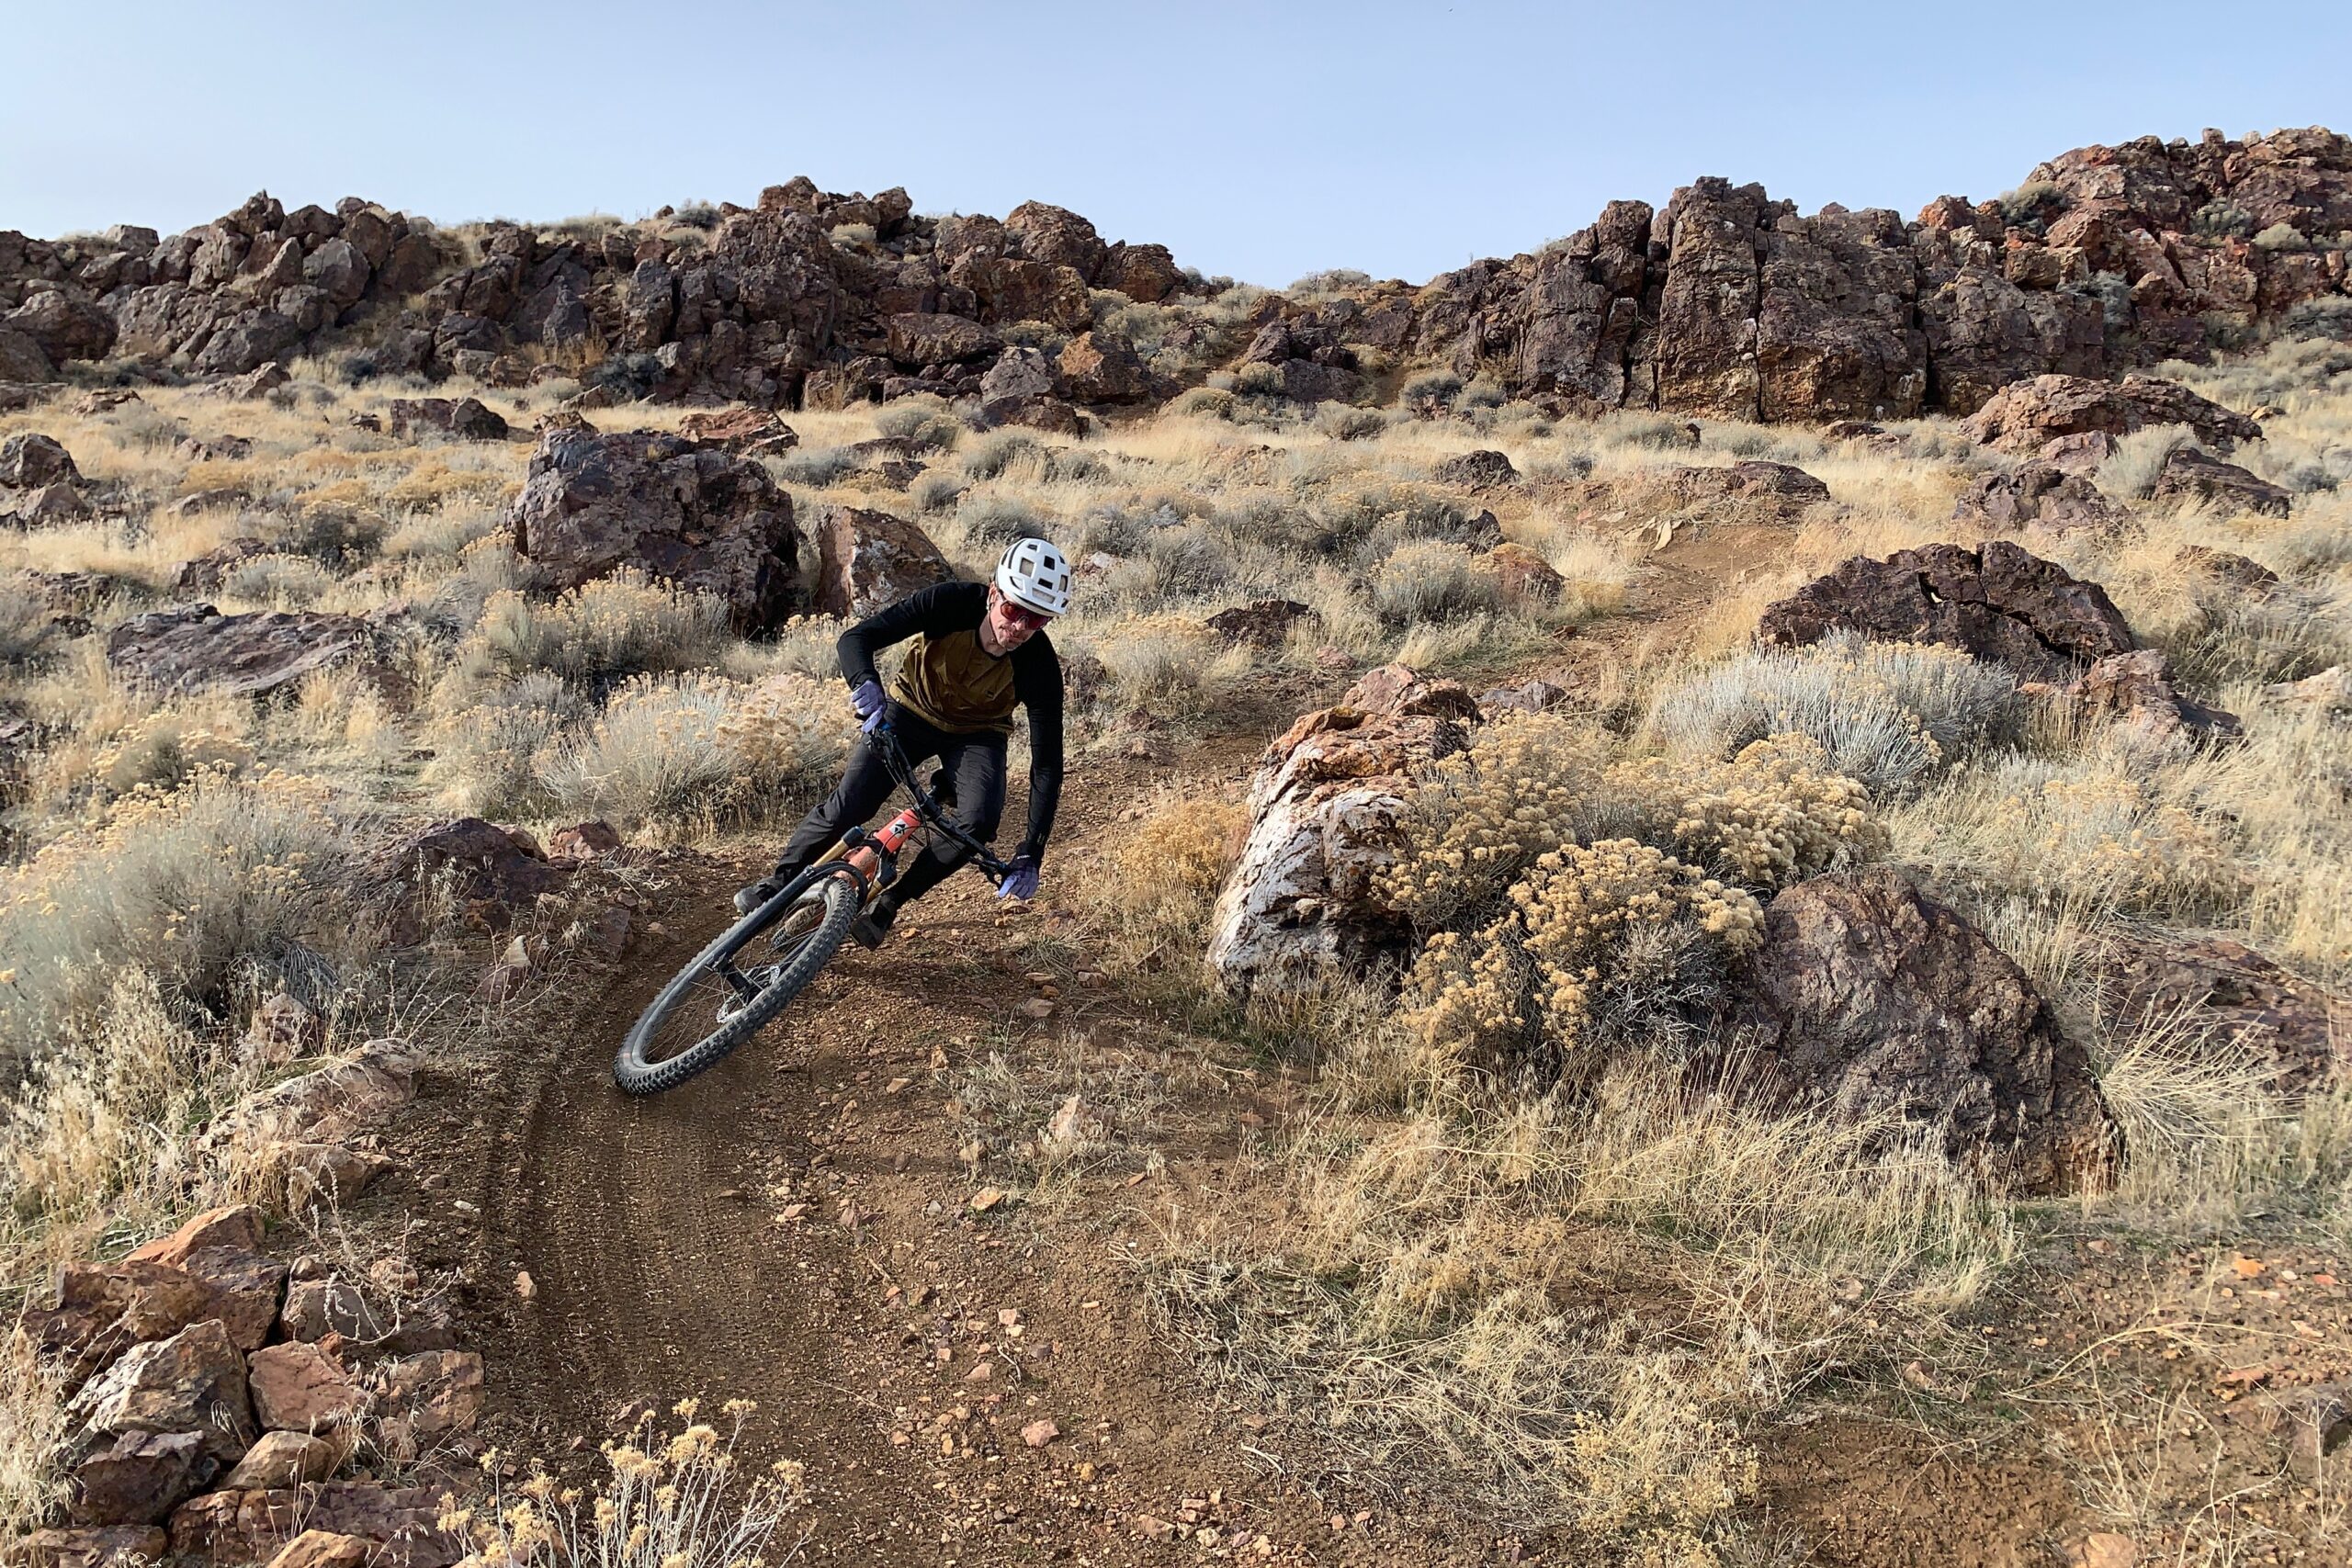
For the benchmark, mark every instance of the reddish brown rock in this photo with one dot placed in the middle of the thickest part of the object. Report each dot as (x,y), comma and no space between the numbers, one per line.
(30,461)
(2190,474)
(236,1530)
(94,1311)
(2138,688)
(2221,1001)
(2037,495)
(1475,470)
(2029,414)
(298,1387)
(201,649)
(338,1100)
(1527,580)
(1262,623)
(1998,603)
(425,1398)
(490,870)
(280,1459)
(707,522)
(868,560)
(748,433)
(1773,490)
(583,841)
(94,1548)
(462,419)
(238,1227)
(138,1479)
(1873,1000)
(193,1381)
(1098,370)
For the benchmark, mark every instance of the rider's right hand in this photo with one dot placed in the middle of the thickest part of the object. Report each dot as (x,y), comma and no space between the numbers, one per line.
(867,703)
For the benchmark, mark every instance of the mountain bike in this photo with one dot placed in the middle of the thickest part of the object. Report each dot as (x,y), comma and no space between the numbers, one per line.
(735,986)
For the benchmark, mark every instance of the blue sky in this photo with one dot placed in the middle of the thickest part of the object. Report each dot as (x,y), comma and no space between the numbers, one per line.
(1262,141)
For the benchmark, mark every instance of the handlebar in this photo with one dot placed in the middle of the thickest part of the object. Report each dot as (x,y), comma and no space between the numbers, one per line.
(902,773)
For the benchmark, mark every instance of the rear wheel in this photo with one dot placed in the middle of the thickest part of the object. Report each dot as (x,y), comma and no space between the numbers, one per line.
(717,1002)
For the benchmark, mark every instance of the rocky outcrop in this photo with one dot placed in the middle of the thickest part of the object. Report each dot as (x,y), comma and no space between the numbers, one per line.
(2037,495)
(1730,304)
(676,511)
(1725,302)
(1998,603)
(2193,475)
(1323,807)
(201,649)
(1874,1002)
(490,871)
(867,560)
(2031,414)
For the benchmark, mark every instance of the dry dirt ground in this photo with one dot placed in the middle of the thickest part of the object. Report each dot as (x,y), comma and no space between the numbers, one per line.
(798,1227)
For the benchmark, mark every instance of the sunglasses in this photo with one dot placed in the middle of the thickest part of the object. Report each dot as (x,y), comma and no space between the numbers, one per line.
(1015,615)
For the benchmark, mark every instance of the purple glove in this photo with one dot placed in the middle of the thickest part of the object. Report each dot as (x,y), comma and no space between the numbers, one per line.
(1020,877)
(867,703)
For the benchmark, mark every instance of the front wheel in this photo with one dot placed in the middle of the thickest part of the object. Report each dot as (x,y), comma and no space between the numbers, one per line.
(713,1006)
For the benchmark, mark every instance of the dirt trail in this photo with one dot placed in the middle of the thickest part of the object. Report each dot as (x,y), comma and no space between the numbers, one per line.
(794,1226)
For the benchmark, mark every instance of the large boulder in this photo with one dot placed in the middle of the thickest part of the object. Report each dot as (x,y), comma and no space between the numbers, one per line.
(1483,469)
(1999,604)
(31,460)
(2194,475)
(63,325)
(2025,416)
(1324,811)
(867,560)
(198,648)
(1095,369)
(1874,1002)
(704,520)
(22,361)
(193,1381)
(2037,495)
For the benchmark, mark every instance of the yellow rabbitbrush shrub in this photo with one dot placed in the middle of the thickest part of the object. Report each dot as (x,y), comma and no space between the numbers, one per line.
(1164,880)
(1606,939)
(1474,820)
(1772,816)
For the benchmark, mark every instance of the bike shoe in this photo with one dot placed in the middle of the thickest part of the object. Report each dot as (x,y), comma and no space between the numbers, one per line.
(750,898)
(874,924)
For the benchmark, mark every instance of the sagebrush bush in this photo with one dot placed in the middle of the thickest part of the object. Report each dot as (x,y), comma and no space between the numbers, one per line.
(618,625)
(2131,469)
(1429,393)
(1430,580)
(925,425)
(995,453)
(488,750)
(996,521)
(681,754)
(1890,714)
(1169,666)
(196,884)
(25,629)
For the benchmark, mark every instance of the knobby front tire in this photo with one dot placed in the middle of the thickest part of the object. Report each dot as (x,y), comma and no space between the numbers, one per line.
(648,1061)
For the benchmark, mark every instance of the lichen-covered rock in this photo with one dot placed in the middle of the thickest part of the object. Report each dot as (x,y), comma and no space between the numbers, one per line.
(138,1479)
(868,560)
(1262,623)
(462,419)
(1999,604)
(299,1387)
(234,1530)
(284,1458)
(31,460)
(701,519)
(1477,470)
(1874,1001)
(1777,491)
(2138,688)
(100,1548)
(1324,808)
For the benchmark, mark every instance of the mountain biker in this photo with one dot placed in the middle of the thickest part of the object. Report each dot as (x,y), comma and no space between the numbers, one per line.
(980,650)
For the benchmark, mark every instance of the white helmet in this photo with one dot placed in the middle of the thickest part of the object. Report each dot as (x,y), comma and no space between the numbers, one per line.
(1034,576)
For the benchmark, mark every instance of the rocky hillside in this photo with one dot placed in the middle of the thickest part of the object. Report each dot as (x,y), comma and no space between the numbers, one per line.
(1724,303)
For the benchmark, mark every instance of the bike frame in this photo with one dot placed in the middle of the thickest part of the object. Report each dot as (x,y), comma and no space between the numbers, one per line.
(872,858)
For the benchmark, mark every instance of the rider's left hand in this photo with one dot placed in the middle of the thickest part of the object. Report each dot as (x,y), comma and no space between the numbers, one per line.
(1020,877)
